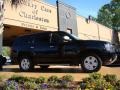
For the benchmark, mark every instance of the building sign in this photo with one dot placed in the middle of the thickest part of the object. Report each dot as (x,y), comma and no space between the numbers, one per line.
(67,18)
(31,14)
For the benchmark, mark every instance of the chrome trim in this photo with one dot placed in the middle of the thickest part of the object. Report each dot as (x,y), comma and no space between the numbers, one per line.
(112,60)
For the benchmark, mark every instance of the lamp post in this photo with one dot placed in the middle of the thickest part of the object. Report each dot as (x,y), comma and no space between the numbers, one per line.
(57,3)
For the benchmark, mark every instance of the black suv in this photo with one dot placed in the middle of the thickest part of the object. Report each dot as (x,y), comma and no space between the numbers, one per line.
(59,47)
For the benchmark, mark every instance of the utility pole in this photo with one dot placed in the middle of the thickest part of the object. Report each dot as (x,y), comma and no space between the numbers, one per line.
(57,3)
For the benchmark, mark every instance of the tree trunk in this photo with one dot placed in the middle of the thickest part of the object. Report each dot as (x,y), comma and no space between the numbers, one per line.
(115,37)
(1,24)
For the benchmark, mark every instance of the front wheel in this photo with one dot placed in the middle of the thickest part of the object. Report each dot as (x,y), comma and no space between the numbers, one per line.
(91,63)
(26,64)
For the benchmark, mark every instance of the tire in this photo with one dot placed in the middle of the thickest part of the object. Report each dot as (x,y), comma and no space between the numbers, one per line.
(26,64)
(2,60)
(91,63)
(44,66)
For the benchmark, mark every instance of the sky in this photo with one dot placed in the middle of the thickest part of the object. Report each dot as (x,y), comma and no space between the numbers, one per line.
(84,7)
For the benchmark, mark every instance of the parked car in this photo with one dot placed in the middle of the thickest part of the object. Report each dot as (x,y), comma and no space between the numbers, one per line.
(8,60)
(2,61)
(59,47)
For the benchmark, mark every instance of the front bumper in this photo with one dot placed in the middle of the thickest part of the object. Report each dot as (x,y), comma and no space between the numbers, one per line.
(109,58)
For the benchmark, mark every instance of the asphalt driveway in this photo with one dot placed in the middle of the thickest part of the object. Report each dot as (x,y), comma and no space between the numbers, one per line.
(75,71)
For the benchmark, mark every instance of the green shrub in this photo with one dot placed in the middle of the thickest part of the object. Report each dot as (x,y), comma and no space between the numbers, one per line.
(118,85)
(11,85)
(110,78)
(92,78)
(96,81)
(22,79)
(30,79)
(30,85)
(53,81)
(95,76)
(66,81)
(40,80)
(68,78)
(6,51)
(1,78)
(19,79)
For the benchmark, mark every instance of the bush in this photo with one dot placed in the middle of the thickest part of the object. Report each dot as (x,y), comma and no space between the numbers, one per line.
(68,78)
(11,85)
(1,78)
(53,81)
(21,79)
(17,78)
(66,81)
(30,85)
(40,80)
(111,78)
(6,51)
(118,85)
(95,76)
(96,81)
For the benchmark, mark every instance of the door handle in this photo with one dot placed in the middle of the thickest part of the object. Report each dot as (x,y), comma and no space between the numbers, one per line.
(52,46)
(32,47)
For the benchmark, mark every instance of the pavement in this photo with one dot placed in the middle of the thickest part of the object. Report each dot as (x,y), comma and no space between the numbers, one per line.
(75,71)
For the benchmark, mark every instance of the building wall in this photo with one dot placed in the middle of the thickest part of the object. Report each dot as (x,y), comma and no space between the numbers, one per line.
(32,14)
(92,30)
(38,15)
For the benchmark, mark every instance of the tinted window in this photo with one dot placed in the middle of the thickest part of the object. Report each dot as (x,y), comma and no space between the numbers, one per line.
(26,40)
(59,37)
(55,38)
(42,38)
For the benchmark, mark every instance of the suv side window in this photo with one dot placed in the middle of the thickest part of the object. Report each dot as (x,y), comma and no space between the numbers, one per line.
(42,38)
(59,37)
(23,41)
(55,38)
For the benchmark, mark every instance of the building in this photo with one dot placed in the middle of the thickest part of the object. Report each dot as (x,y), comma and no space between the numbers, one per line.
(37,16)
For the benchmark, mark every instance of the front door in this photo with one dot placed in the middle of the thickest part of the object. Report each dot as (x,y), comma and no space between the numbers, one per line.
(63,47)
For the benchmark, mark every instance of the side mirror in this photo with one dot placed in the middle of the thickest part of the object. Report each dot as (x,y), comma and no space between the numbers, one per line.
(66,38)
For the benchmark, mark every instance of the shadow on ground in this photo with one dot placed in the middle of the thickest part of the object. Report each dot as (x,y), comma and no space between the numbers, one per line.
(52,69)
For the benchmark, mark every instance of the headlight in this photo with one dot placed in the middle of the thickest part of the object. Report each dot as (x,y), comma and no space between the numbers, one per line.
(109,47)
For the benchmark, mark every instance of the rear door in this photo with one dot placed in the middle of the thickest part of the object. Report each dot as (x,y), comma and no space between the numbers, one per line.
(45,50)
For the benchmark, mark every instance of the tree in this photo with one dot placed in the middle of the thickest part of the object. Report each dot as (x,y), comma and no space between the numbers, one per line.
(109,15)
(13,3)
(1,25)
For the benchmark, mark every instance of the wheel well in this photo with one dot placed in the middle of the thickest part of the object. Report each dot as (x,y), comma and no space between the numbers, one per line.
(90,51)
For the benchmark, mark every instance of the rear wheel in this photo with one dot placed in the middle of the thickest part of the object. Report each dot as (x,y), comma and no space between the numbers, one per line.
(26,64)
(91,63)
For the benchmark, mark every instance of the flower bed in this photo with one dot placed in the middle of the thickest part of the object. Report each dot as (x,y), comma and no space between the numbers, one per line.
(95,81)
